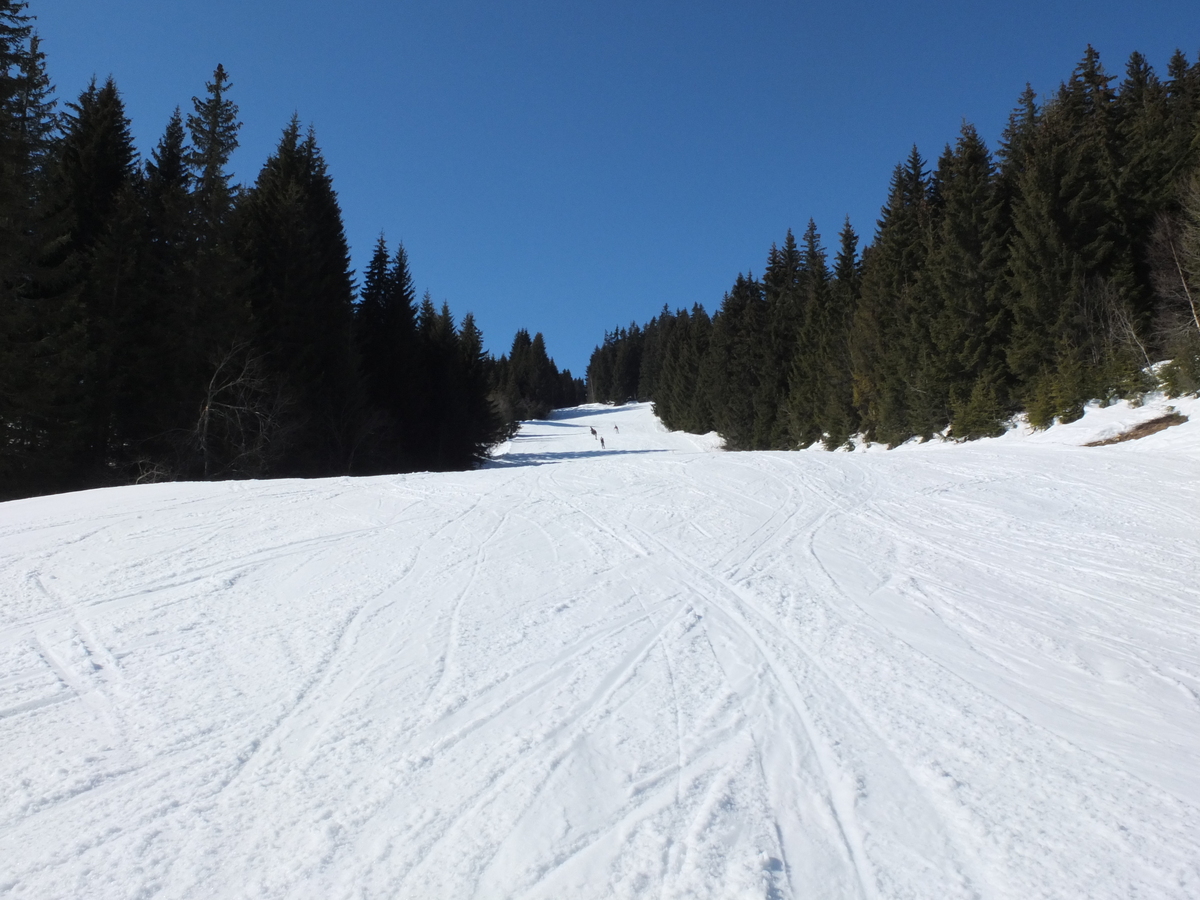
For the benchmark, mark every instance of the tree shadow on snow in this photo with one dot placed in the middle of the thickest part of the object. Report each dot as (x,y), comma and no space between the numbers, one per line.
(560,415)
(541,459)
(554,423)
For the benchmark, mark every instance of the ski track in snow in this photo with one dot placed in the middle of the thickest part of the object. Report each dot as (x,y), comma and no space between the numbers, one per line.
(654,671)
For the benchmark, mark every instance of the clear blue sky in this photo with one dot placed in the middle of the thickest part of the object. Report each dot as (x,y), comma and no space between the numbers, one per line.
(566,166)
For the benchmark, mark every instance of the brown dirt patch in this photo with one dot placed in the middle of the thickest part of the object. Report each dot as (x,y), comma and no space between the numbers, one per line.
(1154,426)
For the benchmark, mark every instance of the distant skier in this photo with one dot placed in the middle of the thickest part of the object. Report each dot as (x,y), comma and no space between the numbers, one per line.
(616,429)
(593,432)
(601,443)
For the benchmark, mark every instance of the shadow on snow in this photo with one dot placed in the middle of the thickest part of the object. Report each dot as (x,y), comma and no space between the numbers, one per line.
(559,415)
(541,459)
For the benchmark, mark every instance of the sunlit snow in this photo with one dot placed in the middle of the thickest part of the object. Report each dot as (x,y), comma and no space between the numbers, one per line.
(648,670)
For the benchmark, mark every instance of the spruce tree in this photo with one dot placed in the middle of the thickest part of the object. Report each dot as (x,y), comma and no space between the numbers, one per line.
(214,128)
(1183,118)
(1144,182)
(627,364)
(42,339)
(431,340)
(484,426)
(450,407)
(95,183)
(218,295)
(836,417)
(389,356)
(602,385)
(784,284)
(369,315)
(163,372)
(1176,272)
(302,297)
(968,365)
(399,328)
(545,375)
(731,370)
(671,390)
(651,362)
(885,345)
(1070,246)
(698,403)
(810,357)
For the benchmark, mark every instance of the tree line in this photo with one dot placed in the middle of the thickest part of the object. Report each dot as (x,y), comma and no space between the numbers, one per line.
(1058,270)
(158,321)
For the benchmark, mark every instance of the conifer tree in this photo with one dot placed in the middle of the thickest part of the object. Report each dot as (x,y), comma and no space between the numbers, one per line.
(699,404)
(670,391)
(530,381)
(382,453)
(681,400)
(390,360)
(651,361)
(627,365)
(398,326)
(809,360)
(302,296)
(885,351)
(42,341)
(545,374)
(218,295)
(1144,182)
(1176,271)
(433,339)
(1069,237)
(1014,160)
(94,183)
(447,411)
(784,293)
(967,361)
(163,372)
(836,416)
(1183,114)
(732,367)
(483,425)
(600,369)
(517,379)
(214,128)
(369,316)
(615,367)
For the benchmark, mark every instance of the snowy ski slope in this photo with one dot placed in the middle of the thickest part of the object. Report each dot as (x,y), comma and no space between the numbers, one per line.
(649,671)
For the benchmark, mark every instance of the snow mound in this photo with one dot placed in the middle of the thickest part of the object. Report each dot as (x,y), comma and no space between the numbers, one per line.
(1099,422)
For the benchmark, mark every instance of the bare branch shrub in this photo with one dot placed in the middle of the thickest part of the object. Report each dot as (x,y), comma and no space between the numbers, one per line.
(242,422)
(1175,264)
(1115,318)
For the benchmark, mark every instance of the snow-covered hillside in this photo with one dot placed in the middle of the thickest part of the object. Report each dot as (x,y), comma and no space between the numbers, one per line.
(651,670)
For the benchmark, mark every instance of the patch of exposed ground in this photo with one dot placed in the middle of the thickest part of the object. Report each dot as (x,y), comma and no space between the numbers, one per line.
(1154,426)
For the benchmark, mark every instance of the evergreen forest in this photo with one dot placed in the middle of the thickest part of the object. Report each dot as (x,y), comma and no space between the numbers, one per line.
(1063,268)
(159,322)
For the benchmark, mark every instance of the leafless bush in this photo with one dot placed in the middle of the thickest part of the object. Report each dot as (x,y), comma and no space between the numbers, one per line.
(242,423)
(1175,264)
(1112,312)
(152,471)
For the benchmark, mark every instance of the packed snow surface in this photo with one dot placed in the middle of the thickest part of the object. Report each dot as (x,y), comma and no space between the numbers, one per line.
(649,670)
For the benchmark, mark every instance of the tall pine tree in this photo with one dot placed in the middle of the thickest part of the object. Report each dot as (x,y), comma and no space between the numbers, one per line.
(302,296)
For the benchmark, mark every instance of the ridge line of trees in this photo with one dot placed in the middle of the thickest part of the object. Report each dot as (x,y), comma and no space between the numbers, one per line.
(158,321)
(1051,273)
